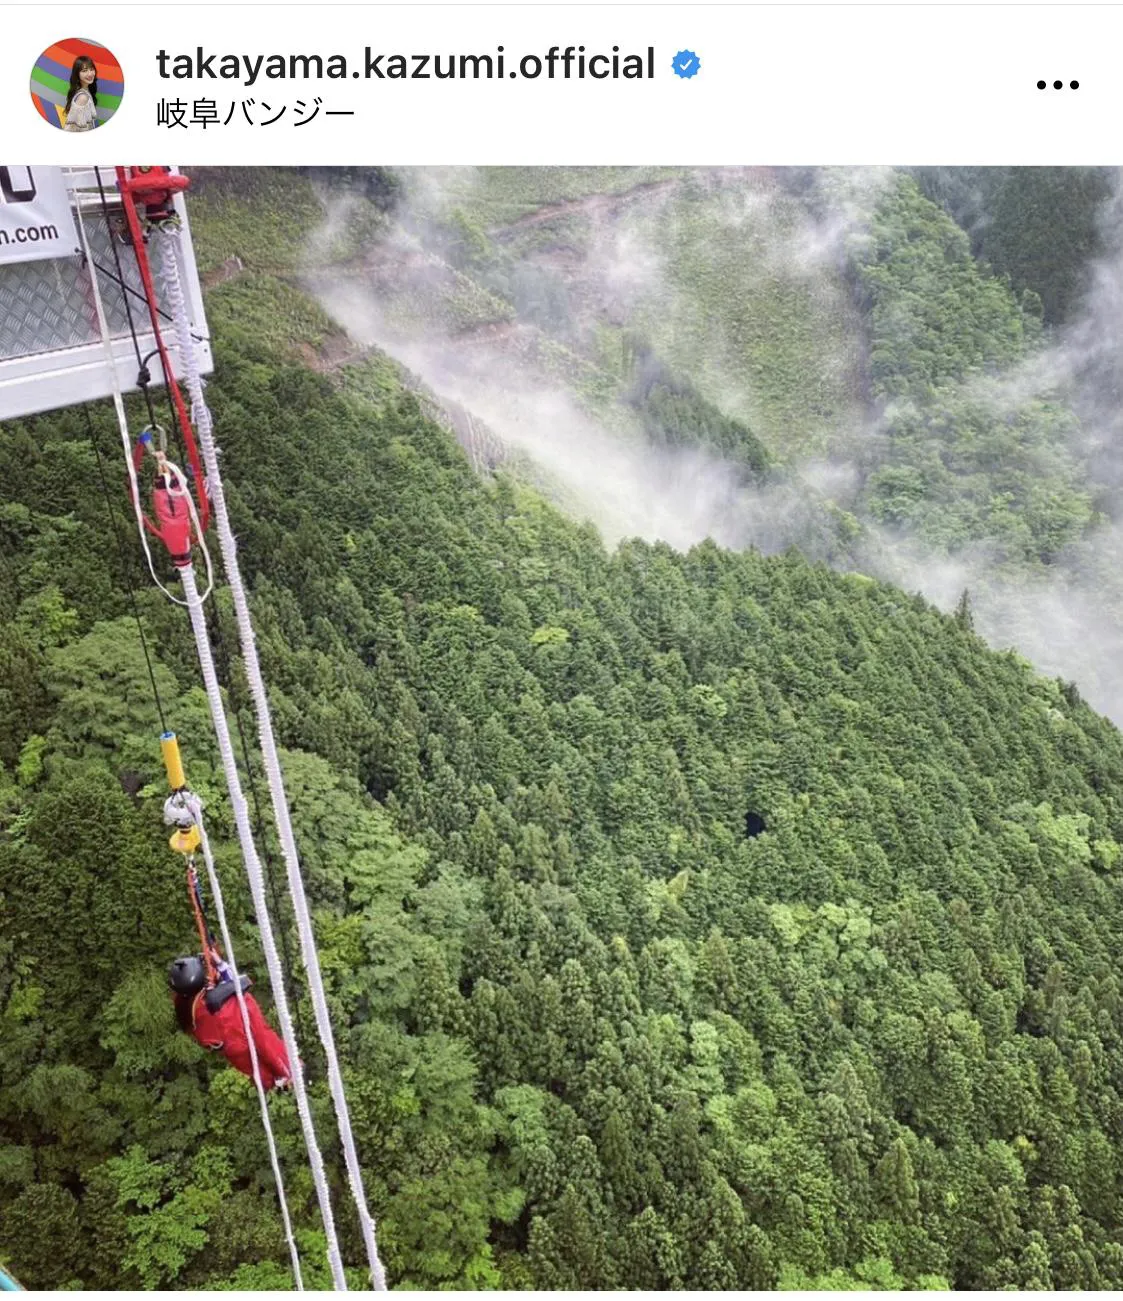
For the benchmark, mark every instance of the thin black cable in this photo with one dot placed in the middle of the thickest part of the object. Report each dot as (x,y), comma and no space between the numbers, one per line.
(174,418)
(202,907)
(225,677)
(215,622)
(224,671)
(212,613)
(125,567)
(13,577)
(127,290)
(143,374)
(133,292)
(141,370)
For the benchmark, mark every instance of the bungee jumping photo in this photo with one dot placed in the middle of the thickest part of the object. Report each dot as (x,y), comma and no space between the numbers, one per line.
(559,726)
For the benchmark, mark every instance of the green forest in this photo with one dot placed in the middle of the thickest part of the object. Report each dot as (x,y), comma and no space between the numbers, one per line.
(690,919)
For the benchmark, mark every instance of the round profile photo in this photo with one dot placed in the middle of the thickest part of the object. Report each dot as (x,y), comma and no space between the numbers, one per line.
(76,85)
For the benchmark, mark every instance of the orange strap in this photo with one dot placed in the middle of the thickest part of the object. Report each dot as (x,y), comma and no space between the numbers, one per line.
(201,926)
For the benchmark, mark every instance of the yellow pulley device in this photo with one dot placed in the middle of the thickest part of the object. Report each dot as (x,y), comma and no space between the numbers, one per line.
(185,839)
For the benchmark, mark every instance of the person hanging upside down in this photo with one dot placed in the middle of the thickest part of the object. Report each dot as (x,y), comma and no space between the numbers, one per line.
(213,1016)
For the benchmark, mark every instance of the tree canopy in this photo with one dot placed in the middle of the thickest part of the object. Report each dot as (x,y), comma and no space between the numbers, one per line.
(594,1034)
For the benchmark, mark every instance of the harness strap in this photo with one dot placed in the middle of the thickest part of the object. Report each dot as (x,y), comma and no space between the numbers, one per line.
(206,942)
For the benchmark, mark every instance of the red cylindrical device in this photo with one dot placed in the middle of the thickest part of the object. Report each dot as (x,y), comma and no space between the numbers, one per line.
(174,523)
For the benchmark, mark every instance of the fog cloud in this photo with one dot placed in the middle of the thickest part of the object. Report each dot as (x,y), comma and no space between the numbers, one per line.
(630,261)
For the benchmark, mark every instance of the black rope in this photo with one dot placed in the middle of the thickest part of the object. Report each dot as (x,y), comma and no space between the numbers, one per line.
(132,292)
(127,289)
(142,371)
(226,679)
(144,375)
(212,615)
(13,577)
(198,888)
(125,567)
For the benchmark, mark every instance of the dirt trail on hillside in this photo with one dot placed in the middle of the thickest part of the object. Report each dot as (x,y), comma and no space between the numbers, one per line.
(590,204)
(596,204)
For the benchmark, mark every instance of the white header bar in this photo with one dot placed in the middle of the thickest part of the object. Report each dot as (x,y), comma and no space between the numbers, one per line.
(772,84)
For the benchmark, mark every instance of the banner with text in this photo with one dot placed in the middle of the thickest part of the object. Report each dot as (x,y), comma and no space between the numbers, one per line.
(35,218)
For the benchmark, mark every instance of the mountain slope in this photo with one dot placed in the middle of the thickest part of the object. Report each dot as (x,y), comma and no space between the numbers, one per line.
(690,920)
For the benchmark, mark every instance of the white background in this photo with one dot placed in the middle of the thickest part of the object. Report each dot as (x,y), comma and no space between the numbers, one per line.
(779,84)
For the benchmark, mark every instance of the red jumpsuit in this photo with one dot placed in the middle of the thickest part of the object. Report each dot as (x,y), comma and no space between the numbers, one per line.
(224,1030)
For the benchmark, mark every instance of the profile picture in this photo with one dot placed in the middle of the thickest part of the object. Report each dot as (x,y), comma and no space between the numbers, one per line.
(77,84)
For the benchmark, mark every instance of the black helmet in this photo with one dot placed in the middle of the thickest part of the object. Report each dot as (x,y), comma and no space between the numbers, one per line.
(187,975)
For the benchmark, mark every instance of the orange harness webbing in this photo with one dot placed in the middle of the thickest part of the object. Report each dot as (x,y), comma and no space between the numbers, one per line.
(201,927)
